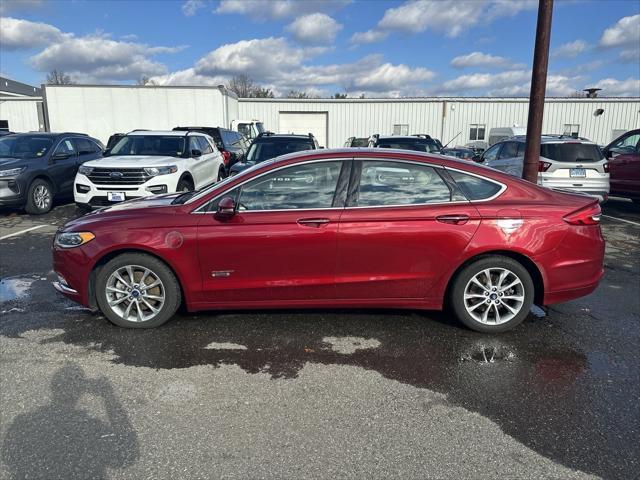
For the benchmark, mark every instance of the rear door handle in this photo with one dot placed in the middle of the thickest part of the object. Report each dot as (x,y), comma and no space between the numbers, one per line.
(453,219)
(313,222)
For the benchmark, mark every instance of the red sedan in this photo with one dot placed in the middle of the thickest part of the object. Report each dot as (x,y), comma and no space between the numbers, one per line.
(338,228)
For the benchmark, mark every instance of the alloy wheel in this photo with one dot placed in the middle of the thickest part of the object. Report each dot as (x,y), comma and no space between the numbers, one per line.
(135,293)
(42,197)
(494,296)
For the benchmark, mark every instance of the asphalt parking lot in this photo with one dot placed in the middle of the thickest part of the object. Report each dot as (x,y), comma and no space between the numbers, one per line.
(328,394)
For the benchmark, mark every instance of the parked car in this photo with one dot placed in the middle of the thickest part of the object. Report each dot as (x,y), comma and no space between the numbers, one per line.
(354,142)
(462,153)
(249,128)
(270,145)
(36,168)
(624,165)
(402,142)
(232,145)
(424,135)
(146,163)
(566,163)
(114,139)
(338,228)
(498,134)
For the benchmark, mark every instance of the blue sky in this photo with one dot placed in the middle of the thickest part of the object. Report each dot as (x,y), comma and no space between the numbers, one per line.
(379,48)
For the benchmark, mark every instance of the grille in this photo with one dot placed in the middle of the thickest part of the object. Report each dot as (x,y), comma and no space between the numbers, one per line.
(118,176)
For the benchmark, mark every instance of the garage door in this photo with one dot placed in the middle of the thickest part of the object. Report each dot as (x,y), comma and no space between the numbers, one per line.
(305,123)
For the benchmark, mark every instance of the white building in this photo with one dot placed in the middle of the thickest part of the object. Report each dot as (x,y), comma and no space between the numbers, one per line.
(333,121)
(100,111)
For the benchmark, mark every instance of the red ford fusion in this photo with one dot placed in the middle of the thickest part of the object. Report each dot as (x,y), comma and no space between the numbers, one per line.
(338,228)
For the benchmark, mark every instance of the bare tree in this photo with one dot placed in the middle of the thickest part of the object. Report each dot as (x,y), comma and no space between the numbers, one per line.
(300,94)
(58,77)
(260,92)
(340,96)
(144,80)
(242,85)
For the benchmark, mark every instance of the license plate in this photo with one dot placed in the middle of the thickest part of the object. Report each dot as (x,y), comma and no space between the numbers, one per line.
(578,172)
(115,196)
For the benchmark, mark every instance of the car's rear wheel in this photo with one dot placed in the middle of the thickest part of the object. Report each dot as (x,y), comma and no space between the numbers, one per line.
(39,197)
(493,294)
(136,290)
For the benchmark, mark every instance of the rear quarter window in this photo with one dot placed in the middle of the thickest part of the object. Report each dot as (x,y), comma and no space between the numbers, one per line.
(475,188)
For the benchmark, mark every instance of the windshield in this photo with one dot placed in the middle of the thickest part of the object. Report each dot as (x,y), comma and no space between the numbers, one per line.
(571,152)
(259,127)
(153,145)
(24,146)
(274,147)
(418,144)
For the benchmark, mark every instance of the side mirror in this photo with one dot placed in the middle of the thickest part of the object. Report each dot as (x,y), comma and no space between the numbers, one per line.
(195,153)
(608,153)
(226,209)
(60,156)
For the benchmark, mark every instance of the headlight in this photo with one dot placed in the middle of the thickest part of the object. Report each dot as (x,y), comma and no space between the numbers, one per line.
(73,239)
(12,172)
(84,170)
(153,171)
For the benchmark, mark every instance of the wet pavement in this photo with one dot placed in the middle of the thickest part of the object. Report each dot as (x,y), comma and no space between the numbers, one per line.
(350,394)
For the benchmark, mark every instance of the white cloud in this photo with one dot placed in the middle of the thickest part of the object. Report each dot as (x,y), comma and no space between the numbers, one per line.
(18,34)
(479,59)
(570,50)
(191,7)
(631,55)
(314,28)
(451,17)
(279,9)
(280,66)
(7,6)
(612,87)
(626,31)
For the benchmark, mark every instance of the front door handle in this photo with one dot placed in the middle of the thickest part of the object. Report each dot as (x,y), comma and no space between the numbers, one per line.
(453,219)
(313,222)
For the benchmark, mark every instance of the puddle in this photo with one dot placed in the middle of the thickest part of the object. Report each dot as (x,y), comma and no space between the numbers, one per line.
(349,345)
(15,288)
(487,354)
(224,346)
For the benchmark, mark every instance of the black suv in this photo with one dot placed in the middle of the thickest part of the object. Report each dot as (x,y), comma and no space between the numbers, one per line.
(36,167)
(268,145)
(420,143)
(232,145)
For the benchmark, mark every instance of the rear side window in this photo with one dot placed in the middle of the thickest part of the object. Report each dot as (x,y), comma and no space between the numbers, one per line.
(398,183)
(86,146)
(475,188)
(571,152)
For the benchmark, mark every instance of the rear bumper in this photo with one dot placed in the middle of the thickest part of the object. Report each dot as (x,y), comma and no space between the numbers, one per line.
(565,295)
(598,188)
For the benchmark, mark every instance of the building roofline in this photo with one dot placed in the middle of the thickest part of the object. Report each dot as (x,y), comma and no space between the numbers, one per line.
(439,100)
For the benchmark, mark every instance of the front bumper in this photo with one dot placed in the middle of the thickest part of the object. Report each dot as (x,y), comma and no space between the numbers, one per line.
(86,193)
(12,192)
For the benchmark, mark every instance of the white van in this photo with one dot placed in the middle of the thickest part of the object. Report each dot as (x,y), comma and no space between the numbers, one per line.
(497,134)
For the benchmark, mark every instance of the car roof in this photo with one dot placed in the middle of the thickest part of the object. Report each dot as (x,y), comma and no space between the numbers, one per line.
(164,133)
(551,139)
(48,134)
(395,137)
(284,135)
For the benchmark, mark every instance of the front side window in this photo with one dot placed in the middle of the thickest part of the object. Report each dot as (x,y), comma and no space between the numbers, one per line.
(203,145)
(13,146)
(477,131)
(401,129)
(491,153)
(626,144)
(307,186)
(65,147)
(509,150)
(151,145)
(475,188)
(384,183)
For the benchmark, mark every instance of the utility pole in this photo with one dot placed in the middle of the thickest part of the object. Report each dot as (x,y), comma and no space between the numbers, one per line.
(538,87)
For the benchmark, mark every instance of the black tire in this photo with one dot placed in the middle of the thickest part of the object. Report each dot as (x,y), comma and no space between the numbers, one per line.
(184,185)
(35,204)
(159,269)
(457,292)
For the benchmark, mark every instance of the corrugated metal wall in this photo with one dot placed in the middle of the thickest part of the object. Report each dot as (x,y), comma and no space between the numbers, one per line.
(103,110)
(445,118)
(21,113)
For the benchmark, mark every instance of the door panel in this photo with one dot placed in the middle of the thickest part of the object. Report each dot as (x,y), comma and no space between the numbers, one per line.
(625,174)
(63,171)
(399,232)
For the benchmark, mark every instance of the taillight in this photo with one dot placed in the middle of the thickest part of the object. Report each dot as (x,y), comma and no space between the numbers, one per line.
(226,156)
(543,166)
(606,167)
(589,215)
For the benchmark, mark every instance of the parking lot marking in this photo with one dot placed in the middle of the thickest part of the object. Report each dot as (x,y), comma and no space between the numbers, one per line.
(622,220)
(15,234)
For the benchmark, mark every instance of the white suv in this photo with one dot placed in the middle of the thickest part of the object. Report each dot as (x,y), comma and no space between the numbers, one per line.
(566,163)
(146,163)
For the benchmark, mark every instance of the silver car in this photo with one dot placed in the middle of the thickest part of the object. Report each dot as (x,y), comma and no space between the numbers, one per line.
(566,163)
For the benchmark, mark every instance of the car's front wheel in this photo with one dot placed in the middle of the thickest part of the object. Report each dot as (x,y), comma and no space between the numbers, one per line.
(136,290)
(39,197)
(492,294)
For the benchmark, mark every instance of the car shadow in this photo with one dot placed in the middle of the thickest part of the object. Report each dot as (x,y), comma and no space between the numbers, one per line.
(60,440)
